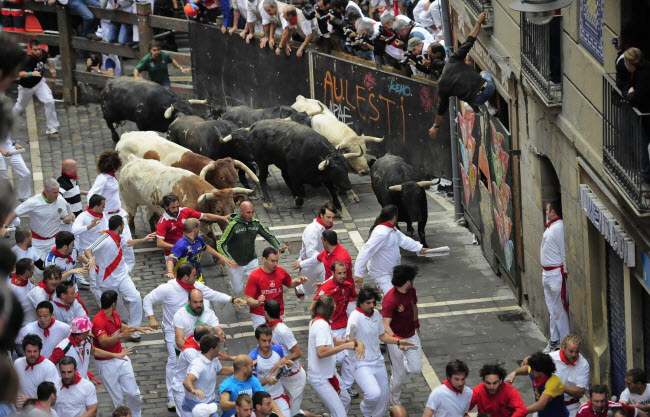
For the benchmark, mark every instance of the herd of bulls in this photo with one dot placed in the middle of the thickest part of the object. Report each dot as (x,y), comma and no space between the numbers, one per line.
(202,159)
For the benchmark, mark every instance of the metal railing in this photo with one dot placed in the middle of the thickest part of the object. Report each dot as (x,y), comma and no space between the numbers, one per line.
(541,58)
(480,6)
(625,144)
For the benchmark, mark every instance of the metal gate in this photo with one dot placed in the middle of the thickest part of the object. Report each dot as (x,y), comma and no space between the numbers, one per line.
(616,321)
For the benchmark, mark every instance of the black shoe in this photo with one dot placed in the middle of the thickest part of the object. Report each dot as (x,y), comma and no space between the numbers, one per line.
(171,407)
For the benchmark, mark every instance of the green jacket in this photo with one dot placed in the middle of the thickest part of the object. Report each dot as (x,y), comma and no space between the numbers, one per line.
(238,240)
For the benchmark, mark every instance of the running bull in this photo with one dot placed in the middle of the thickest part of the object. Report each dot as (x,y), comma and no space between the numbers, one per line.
(396,182)
(149,105)
(244,116)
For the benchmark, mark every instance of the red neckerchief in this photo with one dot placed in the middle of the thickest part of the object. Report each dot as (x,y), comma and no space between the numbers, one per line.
(451,387)
(46,331)
(62,305)
(320,221)
(387,224)
(72,177)
(538,382)
(58,254)
(74,342)
(18,281)
(39,405)
(190,343)
(552,221)
(77,378)
(186,287)
(360,310)
(293,21)
(274,322)
(43,285)
(116,238)
(564,359)
(111,173)
(92,213)
(322,318)
(40,359)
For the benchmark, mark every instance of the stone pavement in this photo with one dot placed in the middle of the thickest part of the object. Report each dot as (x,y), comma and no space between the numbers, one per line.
(466,311)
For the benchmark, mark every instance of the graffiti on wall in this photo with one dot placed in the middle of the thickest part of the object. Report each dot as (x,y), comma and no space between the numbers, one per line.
(501,191)
(467,143)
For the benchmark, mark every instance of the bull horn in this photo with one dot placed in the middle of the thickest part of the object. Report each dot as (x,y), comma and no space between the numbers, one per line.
(353,155)
(372,138)
(207,168)
(168,112)
(241,190)
(425,184)
(226,139)
(247,170)
(323,165)
(397,187)
(196,101)
(203,198)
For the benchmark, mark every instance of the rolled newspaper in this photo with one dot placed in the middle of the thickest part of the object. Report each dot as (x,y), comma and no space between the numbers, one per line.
(435,252)
(18,151)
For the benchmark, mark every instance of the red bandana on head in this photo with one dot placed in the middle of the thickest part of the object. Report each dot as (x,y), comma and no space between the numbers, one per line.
(274,322)
(18,281)
(40,359)
(58,254)
(186,287)
(92,213)
(77,378)
(320,221)
(46,331)
(43,285)
(451,387)
(566,361)
(72,177)
(360,310)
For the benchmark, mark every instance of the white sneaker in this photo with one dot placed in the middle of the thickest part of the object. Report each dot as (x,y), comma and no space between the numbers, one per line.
(135,337)
(551,347)
(82,281)
(52,131)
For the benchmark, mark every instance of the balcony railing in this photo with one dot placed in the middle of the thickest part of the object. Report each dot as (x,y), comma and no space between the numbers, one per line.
(541,58)
(480,6)
(625,144)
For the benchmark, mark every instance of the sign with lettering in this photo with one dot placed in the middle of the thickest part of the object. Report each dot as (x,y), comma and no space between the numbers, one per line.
(607,224)
(591,27)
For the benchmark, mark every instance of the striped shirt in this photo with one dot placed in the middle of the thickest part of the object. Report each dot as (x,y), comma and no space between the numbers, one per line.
(69,190)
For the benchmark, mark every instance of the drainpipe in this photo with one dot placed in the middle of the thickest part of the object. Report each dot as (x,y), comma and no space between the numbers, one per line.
(455,166)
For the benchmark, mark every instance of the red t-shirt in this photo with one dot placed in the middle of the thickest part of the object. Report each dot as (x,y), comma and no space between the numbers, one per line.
(586,410)
(506,402)
(260,282)
(171,229)
(399,308)
(102,325)
(338,254)
(342,295)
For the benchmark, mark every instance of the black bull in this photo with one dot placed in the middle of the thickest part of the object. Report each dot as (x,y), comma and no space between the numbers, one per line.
(244,116)
(396,182)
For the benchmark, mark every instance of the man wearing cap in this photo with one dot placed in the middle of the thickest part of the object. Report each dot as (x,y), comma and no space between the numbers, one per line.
(77,396)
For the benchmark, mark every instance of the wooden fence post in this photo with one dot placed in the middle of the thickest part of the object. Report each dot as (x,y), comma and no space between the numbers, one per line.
(67,53)
(143,10)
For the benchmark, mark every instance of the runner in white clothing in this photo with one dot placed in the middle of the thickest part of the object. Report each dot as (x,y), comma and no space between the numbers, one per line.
(66,305)
(191,350)
(77,396)
(193,314)
(46,327)
(105,257)
(573,370)
(46,211)
(23,249)
(366,324)
(453,397)
(21,279)
(65,255)
(20,172)
(382,249)
(312,245)
(43,291)
(33,368)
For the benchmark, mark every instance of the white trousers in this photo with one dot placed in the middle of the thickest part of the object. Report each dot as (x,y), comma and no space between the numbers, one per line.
(402,362)
(259,320)
(337,404)
(129,253)
(44,95)
(347,377)
(294,386)
(237,275)
(373,380)
(42,247)
(315,273)
(170,342)
(559,319)
(119,380)
(21,174)
(283,405)
(127,292)
(383,282)
(179,396)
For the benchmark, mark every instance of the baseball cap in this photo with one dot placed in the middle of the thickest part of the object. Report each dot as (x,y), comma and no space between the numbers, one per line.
(204,410)
(80,324)
(413,42)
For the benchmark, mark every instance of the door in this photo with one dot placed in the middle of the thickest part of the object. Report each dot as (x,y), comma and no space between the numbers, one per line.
(616,321)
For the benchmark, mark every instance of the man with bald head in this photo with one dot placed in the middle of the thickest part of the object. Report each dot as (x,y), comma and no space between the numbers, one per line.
(69,187)
(237,243)
(242,381)
(194,314)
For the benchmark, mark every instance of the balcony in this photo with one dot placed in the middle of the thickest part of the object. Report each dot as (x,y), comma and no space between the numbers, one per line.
(541,58)
(624,129)
(479,6)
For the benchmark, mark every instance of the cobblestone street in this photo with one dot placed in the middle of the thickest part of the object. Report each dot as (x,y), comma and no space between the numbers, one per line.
(466,311)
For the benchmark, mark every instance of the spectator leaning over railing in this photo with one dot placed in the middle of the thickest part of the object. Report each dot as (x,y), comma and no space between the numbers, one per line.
(295,23)
(155,64)
(121,33)
(104,64)
(271,11)
(80,8)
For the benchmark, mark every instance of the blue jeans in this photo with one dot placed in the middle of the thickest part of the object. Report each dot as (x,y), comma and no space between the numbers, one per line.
(79,7)
(487,92)
(120,32)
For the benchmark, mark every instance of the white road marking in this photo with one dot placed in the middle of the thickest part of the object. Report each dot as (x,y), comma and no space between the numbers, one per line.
(34,147)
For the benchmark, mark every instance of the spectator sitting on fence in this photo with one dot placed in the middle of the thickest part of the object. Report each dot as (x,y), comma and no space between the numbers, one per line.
(294,24)
(121,33)
(271,11)
(155,63)
(80,8)
(104,64)
(461,80)
(238,15)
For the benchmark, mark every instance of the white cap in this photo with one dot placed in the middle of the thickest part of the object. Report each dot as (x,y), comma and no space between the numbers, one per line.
(204,410)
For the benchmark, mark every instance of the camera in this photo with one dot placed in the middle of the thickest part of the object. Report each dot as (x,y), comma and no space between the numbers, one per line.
(308,10)
(410,56)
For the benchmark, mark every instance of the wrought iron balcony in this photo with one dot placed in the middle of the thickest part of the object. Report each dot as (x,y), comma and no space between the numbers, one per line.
(625,144)
(541,58)
(480,6)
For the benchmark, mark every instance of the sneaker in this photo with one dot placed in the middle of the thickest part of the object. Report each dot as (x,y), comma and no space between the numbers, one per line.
(353,393)
(171,407)
(93,37)
(52,131)
(135,337)
(551,346)
(82,281)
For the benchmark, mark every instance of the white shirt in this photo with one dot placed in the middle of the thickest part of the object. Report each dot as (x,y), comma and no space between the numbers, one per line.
(628,397)
(67,315)
(263,366)
(382,251)
(448,403)
(182,364)
(108,187)
(64,263)
(205,372)
(117,71)
(84,237)
(37,412)
(31,300)
(105,251)
(572,376)
(303,26)
(174,297)
(552,249)
(283,337)
(267,18)
(80,353)
(73,401)
(44,218)
(29,253)
(187,322)
(58,332)
(21,292)
(312,240)
(320,334)
(368,331)
(30,378)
